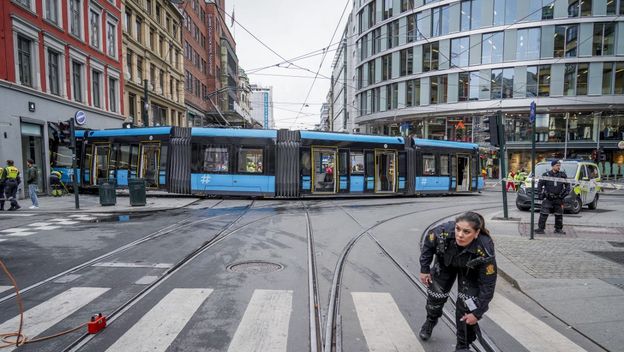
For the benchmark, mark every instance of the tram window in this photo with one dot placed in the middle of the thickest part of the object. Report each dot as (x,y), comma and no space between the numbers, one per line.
(343,163)
(163,158)
(305,163)
(216,159)
(124,157)
(134,160)
(250,160)
(62,157)
(112,165)
(444,165)
(402,164)
(370,163)
(357,163)
(428,164)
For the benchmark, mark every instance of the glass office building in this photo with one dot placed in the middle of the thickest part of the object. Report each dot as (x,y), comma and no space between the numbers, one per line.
(437,68)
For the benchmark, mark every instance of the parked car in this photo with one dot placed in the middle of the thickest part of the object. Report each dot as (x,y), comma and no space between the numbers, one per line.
(580,195)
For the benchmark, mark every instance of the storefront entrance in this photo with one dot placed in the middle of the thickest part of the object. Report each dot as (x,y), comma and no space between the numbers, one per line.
(32,148)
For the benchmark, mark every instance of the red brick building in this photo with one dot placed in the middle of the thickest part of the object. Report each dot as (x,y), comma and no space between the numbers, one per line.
(58,57)
(211,65)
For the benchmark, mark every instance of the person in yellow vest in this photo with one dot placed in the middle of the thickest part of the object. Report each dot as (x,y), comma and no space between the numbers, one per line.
(55,183)
(12,180)
(2,181)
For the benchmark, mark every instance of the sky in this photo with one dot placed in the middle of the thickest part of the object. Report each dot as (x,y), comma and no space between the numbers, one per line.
(291,28)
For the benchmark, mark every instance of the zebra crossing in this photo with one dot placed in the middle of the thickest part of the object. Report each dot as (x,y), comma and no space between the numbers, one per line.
(265,323)
(47,225)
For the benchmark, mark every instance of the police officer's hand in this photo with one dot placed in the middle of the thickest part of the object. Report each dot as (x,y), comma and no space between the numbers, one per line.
(470,319)
(425,279)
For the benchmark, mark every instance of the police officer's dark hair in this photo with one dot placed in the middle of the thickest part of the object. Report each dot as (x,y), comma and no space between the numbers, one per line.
(10,162)
(476,220)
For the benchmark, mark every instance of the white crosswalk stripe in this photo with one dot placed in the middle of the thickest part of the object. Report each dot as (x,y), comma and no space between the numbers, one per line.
(51,224)
(160,326)
(5,288)
(529,331)
(264,326)
(383,325)
(49,313)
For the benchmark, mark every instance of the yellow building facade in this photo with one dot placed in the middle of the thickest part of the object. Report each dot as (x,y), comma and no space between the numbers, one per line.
(152,54)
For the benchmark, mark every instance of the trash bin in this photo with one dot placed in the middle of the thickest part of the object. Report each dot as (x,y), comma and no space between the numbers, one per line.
(108,194)
(136,188)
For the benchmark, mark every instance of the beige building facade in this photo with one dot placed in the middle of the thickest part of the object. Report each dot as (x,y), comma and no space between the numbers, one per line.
(152,54)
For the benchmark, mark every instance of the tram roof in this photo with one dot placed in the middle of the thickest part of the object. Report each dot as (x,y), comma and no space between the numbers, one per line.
(444,144)
(233,132)
(362,138)
(143,131)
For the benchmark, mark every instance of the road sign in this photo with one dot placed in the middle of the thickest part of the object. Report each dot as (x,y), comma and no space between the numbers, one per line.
(80,117)
(532,110)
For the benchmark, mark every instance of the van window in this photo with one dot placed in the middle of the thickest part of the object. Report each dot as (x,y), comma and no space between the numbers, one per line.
(592,171)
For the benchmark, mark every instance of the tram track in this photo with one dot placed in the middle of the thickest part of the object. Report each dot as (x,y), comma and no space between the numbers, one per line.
(316,335)
(332,327)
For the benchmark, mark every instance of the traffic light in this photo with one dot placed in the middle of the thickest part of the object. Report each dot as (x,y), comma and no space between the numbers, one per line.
(491,130)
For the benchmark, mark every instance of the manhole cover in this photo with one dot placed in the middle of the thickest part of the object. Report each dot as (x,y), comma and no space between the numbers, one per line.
(256,266)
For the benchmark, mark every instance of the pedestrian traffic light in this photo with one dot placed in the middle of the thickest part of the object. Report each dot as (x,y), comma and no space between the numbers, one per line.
(491,130)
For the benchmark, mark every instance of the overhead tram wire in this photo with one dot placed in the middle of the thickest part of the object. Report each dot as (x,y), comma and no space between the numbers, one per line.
(344,10)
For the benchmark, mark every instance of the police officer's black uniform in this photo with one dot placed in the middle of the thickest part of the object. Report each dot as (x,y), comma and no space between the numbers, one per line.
(2,182)
(475,268)
(12,180)
(552,194)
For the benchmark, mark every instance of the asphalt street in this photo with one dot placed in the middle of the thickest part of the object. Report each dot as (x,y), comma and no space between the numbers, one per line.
(234,275)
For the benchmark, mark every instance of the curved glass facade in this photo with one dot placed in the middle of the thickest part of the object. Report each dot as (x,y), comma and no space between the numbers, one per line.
(436,68)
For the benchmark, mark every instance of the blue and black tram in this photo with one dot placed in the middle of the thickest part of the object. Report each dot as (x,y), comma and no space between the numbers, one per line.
(275,163)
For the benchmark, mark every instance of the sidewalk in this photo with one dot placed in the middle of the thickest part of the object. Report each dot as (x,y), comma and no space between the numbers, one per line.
(578,277)
(91,204)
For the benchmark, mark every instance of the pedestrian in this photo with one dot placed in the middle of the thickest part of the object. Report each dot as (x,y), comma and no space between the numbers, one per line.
(2,182)
(552,193)
(511,185)
(32,178)
(12,180)
(463,249)
(55,183)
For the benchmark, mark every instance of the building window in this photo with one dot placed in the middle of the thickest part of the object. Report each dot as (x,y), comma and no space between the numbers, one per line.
(619,78)
(95,25)
(407,5)
(112,94)
(607,78)
(371,72)
(569,79)
(392,96)
(387,8)
(54,72)
(372,10)
(24,59)
(386,67)
(77,81)
(579,7)
(460,52)
(132,106)
(363,104)
(504,12)
(139,30)
(412,93)
(25,3)
(128,22)
(543,81)
(148,6)
(475,84)
(439,85)
(139,64)
(463,86)
(565,41)
(465,19)
(496,90)
(375,41)
(75,11)
(440,21)
(548,9)
(492,50)
(111,39)
(420,24)
(407,62)
(411,28)
(531,81)
(393,34)
(430,56)
(528,44)
(129,65)
(604,39)
(96,89)
(52,11)
(581,78)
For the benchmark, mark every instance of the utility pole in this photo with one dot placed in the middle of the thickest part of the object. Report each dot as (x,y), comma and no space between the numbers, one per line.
(532,119)
(72,132)
(503,153)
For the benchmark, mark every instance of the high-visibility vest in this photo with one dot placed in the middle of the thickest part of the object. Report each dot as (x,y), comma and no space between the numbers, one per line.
(56,173)
(11,172)
(1,173)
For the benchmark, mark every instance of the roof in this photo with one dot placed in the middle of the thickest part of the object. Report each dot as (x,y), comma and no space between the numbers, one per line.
(444,144)
(141,131)
(233,132)
(361,138)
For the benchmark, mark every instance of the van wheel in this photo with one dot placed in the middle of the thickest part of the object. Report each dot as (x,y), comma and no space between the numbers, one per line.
(594,203)
(576,206)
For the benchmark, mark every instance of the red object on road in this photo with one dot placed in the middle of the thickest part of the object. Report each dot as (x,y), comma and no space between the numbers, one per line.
(97,323)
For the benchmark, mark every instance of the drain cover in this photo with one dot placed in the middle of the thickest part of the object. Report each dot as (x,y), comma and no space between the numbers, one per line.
(255,266)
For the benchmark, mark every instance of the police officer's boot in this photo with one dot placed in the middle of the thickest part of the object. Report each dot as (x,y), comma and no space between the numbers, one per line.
(559,225)
(541,224)
(427,329)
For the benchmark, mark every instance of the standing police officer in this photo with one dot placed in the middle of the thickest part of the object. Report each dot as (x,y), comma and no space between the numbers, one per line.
(552,194)
(2,181)
(464,250)
(12,177)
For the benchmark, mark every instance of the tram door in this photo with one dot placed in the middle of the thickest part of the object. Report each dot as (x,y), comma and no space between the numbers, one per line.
(324,160)
(100,166)
(385,171)
(463,173)
(149,164)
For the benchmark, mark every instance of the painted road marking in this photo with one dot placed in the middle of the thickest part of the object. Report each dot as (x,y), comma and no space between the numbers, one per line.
(146,280)
(264,326)
(46,228)
(51,312)
(15,229)
(383,325)
(159,327)
(21,234)
(5,288)
(134,265)
(529,331)
(37,224)
(64,222)
(67,278)
(13,214)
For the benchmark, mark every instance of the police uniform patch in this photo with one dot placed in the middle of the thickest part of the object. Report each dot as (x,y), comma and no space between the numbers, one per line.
(431,237)
(489,270)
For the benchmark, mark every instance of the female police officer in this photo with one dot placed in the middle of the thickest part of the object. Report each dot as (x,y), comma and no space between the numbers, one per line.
(463,249)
